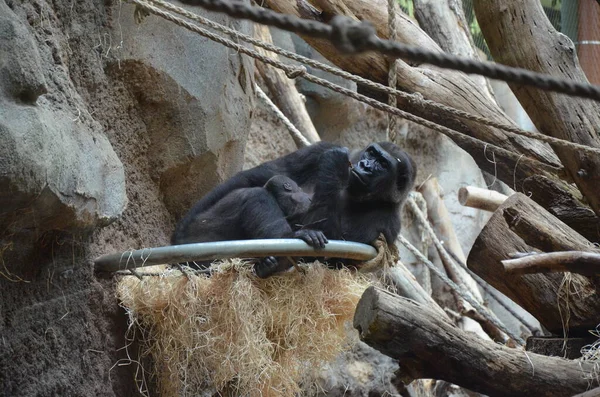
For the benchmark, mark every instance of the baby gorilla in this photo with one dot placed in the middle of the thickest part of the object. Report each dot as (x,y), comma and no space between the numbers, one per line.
(289,196)
(254,213)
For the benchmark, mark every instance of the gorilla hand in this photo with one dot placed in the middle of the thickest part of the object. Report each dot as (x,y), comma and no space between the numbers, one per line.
(314,238)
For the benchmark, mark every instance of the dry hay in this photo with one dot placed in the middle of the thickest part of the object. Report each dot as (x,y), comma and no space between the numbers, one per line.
(238,333)
(591,355)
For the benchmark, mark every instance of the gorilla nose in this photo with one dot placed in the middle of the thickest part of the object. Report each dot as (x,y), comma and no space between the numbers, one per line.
(365,164)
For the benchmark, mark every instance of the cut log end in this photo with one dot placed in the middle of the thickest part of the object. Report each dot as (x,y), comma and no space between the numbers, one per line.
(483,199)
(365,312)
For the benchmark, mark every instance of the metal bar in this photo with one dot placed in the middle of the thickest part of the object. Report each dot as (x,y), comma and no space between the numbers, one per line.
(230,249)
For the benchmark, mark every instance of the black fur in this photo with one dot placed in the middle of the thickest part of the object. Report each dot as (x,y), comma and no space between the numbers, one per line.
(354,204)
(289,196)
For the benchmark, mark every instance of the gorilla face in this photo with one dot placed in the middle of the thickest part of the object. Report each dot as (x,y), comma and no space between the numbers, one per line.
(374,169)
(383,171)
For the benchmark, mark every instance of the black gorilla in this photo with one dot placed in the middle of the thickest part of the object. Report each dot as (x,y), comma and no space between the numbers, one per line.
(354,198)
(252,213)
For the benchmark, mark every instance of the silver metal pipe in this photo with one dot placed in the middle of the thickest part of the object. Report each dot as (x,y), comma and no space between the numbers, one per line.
(230,249)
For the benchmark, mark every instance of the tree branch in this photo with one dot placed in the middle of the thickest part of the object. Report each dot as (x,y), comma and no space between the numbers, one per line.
(585,263)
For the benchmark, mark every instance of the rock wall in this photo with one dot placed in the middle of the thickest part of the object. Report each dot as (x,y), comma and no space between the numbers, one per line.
(109,130)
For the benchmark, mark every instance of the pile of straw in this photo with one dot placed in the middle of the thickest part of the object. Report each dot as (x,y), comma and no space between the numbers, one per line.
(591,354)
(240,334)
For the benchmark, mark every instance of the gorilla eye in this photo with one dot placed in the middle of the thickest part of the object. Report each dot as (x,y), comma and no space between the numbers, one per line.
(385,165)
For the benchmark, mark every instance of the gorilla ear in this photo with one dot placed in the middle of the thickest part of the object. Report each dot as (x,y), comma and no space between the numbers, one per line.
(407,173)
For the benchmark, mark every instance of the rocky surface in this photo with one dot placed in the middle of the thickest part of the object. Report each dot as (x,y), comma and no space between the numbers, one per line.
(58,170)
(109,130)
(195,98)
(360,372)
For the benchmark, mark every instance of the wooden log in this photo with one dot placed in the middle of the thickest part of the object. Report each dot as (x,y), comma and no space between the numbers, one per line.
(534,44)
(283,90)
(439,218)
(520,225)
(585,263)
(566,205)
(427,346)
(447,87)
(483,199)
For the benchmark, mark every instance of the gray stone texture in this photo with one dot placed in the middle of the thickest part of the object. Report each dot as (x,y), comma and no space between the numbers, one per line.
(57,169)
(195,98)
(109,131)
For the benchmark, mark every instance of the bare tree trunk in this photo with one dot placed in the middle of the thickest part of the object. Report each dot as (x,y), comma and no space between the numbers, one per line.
(442,226)
(283,90)
(428,346)
(520,225)
(518,33)
(445,22)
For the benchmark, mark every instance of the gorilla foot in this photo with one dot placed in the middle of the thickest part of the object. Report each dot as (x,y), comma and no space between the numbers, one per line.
(266,267)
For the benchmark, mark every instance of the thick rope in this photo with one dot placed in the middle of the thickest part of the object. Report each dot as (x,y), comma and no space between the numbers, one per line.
(353,36)
(298,136)
(415,99)
(425,241)
(436,241)
(387,256)
(301,72)
(392,75)
(460,291)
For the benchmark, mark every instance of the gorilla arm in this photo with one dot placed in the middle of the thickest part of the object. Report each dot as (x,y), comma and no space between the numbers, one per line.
(325,212)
